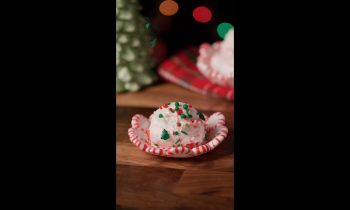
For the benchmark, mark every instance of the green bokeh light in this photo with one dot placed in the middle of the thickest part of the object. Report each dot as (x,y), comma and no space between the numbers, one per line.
(223,28)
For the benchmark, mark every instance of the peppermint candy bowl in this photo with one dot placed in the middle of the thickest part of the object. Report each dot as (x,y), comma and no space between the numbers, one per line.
(216,132)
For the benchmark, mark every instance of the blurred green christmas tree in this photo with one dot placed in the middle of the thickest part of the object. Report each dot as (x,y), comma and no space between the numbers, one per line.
(134,64)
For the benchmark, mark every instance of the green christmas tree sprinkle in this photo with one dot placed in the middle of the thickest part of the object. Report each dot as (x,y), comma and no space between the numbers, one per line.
(176,108)
(176,103)
(183,116)
(201,116)
(185,106)
(161,116)
(188,113)
(165,135)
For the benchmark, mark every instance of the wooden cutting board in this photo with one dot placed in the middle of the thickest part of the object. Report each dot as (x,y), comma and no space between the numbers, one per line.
(146,181)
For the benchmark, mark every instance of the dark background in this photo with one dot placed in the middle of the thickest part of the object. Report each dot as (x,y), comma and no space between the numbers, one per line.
(182,30)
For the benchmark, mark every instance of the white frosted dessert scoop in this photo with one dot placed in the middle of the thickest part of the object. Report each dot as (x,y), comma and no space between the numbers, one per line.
(216,61)
(175,124)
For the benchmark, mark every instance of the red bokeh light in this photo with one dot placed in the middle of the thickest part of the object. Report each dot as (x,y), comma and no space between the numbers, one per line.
(202,14)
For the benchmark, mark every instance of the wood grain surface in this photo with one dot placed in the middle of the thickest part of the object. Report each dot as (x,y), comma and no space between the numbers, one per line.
(146,181)
(156,95)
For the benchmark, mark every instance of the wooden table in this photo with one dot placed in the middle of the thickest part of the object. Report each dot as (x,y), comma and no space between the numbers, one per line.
(145,181)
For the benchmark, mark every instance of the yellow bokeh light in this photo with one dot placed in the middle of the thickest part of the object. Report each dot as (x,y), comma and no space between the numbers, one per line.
(168,7)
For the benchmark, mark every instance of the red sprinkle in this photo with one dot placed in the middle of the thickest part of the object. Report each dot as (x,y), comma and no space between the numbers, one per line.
(190,105)
(191,145)
(170,109)
(192,121)
(179,111)
(178,124)
(165,105)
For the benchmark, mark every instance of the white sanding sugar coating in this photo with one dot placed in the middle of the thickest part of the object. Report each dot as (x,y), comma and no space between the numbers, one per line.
(222,59)
(171,126)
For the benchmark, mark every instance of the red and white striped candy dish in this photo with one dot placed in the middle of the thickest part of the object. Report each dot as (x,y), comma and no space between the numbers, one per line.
(216,61)
(177,130)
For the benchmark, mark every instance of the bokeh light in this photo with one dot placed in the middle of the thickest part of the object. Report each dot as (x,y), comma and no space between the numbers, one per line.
(202,14)
(168,7)
(223,28)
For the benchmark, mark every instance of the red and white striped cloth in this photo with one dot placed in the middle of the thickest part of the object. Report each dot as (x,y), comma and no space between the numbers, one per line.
(181,69)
